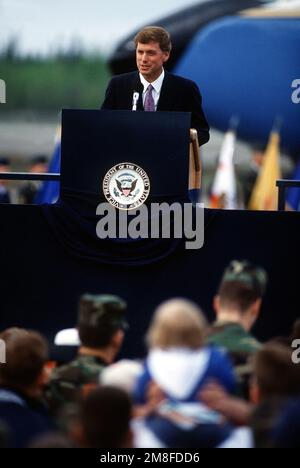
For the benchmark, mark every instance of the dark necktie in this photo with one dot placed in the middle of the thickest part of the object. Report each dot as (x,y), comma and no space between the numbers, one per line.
(149,101)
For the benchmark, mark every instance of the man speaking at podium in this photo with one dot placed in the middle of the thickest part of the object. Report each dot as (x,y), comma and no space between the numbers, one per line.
(151,88)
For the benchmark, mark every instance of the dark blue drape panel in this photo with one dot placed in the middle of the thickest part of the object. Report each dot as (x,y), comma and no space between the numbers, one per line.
(73,220)
(41,282)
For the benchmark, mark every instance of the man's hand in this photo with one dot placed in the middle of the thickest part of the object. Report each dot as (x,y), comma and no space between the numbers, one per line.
(233,409)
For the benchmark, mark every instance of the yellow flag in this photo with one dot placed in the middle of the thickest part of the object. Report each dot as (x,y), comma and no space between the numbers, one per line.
(265,193)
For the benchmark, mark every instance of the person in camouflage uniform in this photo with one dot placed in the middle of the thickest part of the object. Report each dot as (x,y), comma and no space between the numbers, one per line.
(101,326)
(237,307)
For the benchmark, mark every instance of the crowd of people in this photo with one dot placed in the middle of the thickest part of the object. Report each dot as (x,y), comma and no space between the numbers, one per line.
(200,385)
(25,193)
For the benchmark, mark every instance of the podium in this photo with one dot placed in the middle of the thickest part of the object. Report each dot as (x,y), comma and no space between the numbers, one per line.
(95,141)
(96,144)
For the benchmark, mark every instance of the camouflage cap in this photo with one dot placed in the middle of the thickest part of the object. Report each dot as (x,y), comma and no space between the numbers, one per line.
(102,310)
(244,272)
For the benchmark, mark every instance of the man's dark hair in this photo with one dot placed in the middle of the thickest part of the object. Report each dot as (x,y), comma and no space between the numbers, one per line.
(275,372)
(105,416)
(26,354)
(99,318)
(4,161)
(39,159)
(242,284)
(154,34)
(93,337)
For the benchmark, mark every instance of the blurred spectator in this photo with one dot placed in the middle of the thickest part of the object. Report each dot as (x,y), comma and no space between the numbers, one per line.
(4,193)
(178,361)
(275,380)
(101,325)
(237,307)
(275,374)
(177,367)
(104,420)
(22,381)
(39,165)
(263,420)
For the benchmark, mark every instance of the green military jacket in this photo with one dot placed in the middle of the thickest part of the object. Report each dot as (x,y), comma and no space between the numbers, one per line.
(240,346)
(234,338)
(68,381)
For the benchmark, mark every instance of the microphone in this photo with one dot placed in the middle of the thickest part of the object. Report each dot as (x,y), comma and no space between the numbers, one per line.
(135,98)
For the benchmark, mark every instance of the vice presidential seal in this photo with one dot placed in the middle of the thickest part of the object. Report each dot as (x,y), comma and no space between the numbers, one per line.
(126,186)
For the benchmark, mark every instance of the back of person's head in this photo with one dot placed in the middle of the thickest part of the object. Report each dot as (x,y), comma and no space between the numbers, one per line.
(4,162)
(4,167)
(154,34)
(241,285)
(105,418)
(99,318)
(39,163)
(26,354)
(177,323)
(275,373)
